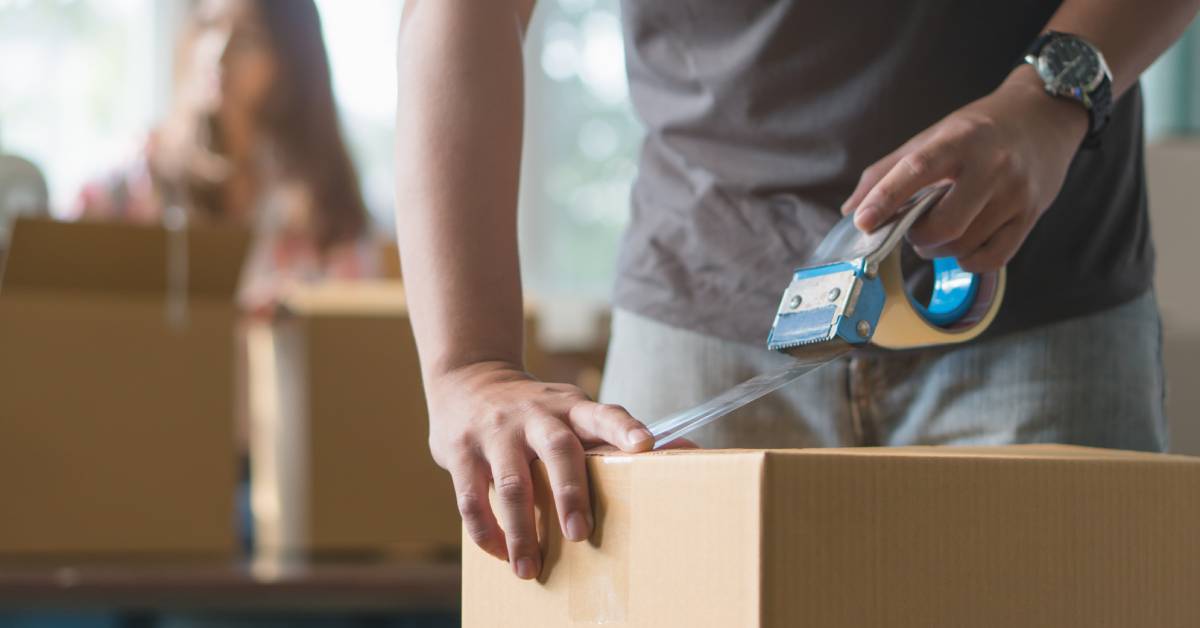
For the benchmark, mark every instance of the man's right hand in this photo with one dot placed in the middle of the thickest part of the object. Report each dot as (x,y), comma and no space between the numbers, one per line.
(488,421)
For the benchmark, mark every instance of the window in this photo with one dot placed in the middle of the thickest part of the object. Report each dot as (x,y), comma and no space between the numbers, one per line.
(581,139)
(580,150)
(1172,88)
(82,81)
(361,39)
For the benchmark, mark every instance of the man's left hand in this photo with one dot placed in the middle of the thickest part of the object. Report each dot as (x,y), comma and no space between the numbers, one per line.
(1006,154)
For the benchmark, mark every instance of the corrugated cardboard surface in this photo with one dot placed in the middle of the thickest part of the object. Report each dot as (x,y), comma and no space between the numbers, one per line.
(349,433)
(374,482)
(650,559)
(1023,536)
(117,423)
(1046,540)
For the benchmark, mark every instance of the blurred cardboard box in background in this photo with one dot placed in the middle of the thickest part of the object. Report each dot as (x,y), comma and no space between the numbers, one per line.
(901,537)
(116,390)
(340,431)
(1173,168)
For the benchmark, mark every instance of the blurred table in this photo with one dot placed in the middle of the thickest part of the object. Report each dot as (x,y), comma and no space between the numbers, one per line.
(414,587)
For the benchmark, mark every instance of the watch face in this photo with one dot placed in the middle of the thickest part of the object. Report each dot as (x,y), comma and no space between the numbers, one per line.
(1069,63)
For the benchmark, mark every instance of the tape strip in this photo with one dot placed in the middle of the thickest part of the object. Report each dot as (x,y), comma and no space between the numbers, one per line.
(598,576)
(901,326)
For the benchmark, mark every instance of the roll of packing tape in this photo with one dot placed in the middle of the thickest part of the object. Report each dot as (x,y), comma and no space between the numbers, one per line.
(962,306)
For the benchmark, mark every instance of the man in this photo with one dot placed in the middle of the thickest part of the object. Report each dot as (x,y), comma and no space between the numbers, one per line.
(763,119)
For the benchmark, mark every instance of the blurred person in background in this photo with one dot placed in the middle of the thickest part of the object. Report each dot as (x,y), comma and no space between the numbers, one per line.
(252,139)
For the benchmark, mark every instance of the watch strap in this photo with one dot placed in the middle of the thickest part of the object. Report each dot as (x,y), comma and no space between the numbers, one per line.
(1099,113)
(1040,42)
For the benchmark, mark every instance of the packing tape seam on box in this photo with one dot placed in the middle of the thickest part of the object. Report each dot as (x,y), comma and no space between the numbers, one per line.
(601,596)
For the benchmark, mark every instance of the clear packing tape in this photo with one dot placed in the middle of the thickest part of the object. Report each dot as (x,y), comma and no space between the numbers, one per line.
(678,425)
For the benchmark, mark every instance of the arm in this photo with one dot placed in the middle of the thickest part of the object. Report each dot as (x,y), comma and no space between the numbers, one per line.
(458,126)
(1008,152)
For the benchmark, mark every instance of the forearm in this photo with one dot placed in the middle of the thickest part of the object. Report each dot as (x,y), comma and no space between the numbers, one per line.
(459,118)
(1130,34)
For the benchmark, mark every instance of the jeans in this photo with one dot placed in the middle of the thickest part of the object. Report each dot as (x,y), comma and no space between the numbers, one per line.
(1094,380)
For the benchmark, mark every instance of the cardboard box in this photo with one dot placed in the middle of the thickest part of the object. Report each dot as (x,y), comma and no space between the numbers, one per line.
(1171,168)
(914,537)
(340,431)
(116,429)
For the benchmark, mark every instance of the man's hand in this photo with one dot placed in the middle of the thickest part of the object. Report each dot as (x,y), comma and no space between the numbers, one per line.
(489,421)
(1007,155)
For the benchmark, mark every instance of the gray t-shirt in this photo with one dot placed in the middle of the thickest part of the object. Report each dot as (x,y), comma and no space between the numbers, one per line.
(760,116)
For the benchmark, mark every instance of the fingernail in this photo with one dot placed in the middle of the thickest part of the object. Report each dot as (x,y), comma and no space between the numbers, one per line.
(865,217)
(525,569)
(637,436)
(578,527)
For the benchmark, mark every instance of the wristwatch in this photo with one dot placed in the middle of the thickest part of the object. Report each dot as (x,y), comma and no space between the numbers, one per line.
(1072,68)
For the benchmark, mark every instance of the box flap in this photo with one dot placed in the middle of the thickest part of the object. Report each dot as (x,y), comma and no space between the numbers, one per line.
(46,255)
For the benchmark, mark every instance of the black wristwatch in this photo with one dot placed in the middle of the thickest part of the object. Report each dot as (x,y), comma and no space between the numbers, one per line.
(1072,68)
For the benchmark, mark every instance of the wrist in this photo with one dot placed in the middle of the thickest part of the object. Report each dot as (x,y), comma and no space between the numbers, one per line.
(475,372)
(1069,118)
(474,351)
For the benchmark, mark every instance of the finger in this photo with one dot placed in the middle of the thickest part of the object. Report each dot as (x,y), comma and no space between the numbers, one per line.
(514,502)
(999,250)
(993,215)
(609,423)
(954,215)
(915,170)
(560,450)
(470,477)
